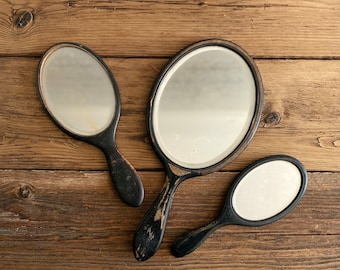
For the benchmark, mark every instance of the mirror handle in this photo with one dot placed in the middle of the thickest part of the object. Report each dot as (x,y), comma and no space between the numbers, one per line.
(189,242)
(150,231)
(125,179)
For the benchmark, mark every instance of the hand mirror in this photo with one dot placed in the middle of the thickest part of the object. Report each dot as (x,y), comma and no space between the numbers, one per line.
(80,94)
(204,110)
(263,193)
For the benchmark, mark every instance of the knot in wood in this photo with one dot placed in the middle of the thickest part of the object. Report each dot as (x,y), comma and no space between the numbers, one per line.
(25,191)
(70,3)
(23,19)
(272,118)
(202,3)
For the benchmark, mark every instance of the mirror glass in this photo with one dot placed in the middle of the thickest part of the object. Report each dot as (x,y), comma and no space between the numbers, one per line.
(77,90)
(267,190)
(261,194)
(80,94)
(204,107)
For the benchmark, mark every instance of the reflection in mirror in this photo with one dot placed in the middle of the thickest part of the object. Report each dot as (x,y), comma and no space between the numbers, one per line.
(204,110)
(263,193)
(81,96)
(69,77)
(211,89)
(266,190)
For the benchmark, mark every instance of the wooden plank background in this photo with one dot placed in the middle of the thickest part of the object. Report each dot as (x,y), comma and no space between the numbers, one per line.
(58,209)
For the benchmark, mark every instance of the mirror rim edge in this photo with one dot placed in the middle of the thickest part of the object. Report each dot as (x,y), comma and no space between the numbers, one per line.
(112,125)
(253,124)
(304,182)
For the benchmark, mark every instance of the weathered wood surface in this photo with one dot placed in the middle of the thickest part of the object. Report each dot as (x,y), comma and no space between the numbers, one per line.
(73,219)
(148,28)
(68,219)
(58,209)
(301,113)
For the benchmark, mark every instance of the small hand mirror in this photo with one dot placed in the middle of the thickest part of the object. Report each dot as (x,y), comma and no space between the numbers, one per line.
(263,193)
(204,110)
(81,96)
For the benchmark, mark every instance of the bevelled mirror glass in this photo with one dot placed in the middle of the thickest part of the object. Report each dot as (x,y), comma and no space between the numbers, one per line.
(204,110)
(204,107)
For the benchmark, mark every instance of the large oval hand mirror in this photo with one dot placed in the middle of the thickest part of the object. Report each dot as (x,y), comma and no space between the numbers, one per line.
(263,193)
(81,96)
(204,110)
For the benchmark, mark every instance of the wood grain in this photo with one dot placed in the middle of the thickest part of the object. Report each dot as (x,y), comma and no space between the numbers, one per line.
(67,219)
(301,113)
(58,209)
(274,29)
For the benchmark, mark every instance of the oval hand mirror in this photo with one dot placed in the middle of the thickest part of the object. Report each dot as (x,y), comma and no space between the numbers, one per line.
(263,193)
(204,110)
(81,96)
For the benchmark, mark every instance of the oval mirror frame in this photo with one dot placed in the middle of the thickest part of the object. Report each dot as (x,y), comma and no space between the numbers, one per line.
(112,125)
(124,177)
(150,231)
(254,122)
(228,215)
(237,219)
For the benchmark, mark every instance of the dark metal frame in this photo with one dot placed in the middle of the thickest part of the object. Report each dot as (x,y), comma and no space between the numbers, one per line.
(111,128)
(255,120)
(124,176)
(189,242)
(236,219)
(150,231)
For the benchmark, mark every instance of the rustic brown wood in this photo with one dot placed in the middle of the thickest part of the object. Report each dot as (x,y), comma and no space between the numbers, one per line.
(304,96)
(68,219)
(147,28)
(58,209)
